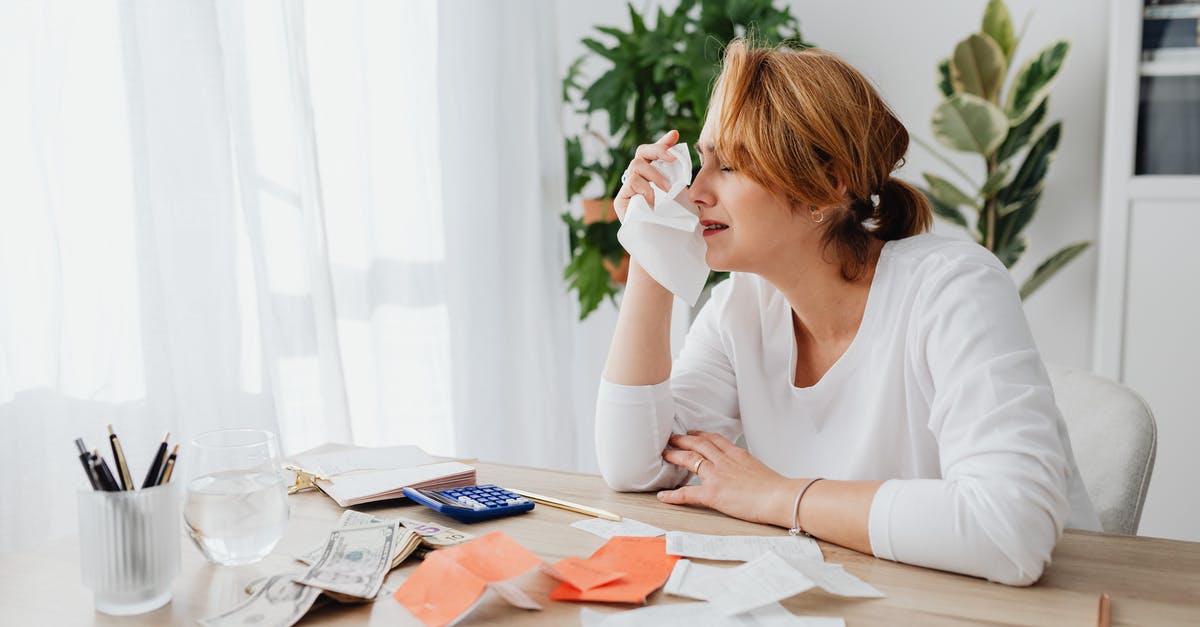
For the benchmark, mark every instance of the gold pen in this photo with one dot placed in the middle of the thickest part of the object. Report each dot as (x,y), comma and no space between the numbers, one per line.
(169,466)
(119,459)
(567,505)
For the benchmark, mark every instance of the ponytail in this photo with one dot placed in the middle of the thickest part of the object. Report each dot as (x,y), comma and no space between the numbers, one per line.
(901,212)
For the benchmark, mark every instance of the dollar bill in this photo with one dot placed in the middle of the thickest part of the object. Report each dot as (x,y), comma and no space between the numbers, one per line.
(356,560)
(280,602)
(436,536)
(349,518)
(432,535)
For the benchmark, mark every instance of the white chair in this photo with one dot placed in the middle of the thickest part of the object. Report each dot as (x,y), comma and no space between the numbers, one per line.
(1114,439)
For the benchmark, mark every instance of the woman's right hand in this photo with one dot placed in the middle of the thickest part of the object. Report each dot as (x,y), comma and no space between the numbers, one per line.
(641,173)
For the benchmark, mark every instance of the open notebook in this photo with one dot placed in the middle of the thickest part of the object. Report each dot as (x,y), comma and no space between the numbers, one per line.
(353,475)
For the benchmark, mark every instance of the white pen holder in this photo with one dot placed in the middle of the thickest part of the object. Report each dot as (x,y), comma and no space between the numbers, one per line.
(129,547)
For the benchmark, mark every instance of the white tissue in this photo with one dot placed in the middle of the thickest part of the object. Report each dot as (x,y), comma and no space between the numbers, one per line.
(667,240)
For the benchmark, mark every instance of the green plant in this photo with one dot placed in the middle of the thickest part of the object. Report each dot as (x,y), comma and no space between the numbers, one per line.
(972,119)
(660,79)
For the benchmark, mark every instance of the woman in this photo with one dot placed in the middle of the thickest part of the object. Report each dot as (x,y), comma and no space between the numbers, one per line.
(887,386)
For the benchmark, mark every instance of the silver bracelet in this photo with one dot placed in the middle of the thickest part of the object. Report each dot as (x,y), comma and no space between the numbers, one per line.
(796,530)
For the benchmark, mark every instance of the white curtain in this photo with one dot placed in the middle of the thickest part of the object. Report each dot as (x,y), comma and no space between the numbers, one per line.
(333,220)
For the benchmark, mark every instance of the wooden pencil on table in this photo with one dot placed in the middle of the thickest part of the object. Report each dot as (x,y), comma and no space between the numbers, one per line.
(567,505)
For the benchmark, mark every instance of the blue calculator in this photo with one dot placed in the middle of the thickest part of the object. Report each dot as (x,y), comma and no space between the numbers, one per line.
(472,503)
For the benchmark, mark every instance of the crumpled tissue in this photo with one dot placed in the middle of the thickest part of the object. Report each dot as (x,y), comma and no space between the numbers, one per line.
(667,240)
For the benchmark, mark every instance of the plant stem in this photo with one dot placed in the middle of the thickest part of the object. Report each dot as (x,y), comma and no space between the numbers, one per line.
(945,160)
(989,208)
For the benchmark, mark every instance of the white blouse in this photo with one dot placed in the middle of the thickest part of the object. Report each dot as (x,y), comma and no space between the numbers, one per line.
(942,394)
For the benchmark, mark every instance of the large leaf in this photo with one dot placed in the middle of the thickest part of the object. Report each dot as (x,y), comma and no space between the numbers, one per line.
(1051,266)
(588,277)
(978,67)
(995,180)
(1019,135)
(1010,251)
(946,192)
(612,54)
(1033,169)
(1034,81)
(998,25)
(945,82)
(1019,199)
(945,211)
(969,123)
(577,177)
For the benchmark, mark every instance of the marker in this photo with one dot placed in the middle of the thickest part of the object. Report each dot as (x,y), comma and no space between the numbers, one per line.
(85,458)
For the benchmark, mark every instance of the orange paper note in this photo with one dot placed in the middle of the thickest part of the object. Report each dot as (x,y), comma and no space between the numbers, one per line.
(644,560)
(451,580)
(580,573)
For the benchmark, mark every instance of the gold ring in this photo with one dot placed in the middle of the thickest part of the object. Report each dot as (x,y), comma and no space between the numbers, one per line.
(696,468)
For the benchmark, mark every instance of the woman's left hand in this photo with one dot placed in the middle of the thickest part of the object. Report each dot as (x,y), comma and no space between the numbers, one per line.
(731,479)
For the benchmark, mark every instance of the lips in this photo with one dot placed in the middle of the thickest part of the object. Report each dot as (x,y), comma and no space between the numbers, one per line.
(712,227)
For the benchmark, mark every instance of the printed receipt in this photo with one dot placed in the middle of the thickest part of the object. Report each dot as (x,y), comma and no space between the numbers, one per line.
(608,529)
(705,583)
(741,548)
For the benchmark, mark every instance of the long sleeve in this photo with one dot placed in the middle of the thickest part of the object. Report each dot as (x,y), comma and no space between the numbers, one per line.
(633,423)
(1001,503)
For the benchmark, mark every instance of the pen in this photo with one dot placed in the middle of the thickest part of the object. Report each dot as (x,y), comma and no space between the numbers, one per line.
(169,466)
(85,458)
(119,460)
(104,476)
(567,505)
(156,465)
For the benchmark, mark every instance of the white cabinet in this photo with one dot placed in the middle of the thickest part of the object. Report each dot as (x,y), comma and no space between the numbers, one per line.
(1161,357)
(1148,292)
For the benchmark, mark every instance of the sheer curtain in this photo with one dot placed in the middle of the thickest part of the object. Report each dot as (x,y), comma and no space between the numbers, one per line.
(334,221)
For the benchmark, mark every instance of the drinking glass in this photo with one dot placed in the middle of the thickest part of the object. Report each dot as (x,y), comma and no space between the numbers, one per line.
(236,509)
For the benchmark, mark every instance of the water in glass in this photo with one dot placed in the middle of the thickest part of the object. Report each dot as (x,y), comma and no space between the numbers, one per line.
(236,509)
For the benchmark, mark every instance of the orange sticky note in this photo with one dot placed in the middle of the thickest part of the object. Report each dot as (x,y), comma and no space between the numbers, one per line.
(451,580)
(644,560)
(580,573)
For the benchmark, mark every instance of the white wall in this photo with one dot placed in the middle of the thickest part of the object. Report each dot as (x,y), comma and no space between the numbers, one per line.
(898,45)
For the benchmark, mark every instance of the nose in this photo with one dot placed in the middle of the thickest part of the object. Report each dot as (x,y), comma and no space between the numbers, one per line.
(701,192)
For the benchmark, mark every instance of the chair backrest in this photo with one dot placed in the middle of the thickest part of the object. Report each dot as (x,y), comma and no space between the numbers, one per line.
(1114,439)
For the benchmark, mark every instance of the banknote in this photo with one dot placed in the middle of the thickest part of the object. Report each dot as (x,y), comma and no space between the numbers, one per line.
(355,560)
(280,602)
(433,535)
(349,518)
(436,536)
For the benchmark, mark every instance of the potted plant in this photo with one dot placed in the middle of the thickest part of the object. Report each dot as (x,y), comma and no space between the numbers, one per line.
(1003,130)
(660,79)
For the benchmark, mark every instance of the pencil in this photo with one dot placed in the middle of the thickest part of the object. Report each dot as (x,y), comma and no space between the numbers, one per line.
(567,505)
(119,460)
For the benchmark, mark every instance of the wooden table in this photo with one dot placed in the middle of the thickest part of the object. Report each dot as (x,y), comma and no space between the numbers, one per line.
(1151,581)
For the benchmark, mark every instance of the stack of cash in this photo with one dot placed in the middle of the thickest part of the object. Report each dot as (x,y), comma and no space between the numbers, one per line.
(349,567)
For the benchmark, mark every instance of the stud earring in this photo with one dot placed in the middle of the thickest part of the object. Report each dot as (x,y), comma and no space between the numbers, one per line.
(817,216)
